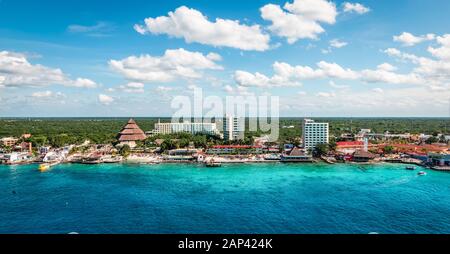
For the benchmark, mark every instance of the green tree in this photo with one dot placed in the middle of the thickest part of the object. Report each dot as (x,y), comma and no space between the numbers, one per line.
(125,150)
(388,149)
(332,145)
(320,149)
(431,140)
(168,144)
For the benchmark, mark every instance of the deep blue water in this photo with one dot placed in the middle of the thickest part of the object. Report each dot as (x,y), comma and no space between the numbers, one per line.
(251,198)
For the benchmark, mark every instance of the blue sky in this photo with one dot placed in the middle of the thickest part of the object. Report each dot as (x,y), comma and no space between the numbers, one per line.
(327,58)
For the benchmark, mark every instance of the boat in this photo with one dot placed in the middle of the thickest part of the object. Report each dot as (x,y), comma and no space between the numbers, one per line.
(410,168)
(422,173)
(44,167)
(212,164)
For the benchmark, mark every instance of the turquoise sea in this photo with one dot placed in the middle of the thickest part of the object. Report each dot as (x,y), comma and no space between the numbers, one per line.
(244,198)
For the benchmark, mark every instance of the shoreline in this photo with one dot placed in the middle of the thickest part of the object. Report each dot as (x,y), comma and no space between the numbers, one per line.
(231,163)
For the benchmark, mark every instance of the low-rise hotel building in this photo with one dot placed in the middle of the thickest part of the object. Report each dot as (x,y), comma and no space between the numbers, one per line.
(9,141)
(188,127)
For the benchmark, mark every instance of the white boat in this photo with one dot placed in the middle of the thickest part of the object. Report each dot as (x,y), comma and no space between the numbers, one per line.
(422,173)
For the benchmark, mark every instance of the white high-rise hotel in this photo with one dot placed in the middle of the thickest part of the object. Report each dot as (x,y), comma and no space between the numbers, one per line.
(314,134)
(233,128)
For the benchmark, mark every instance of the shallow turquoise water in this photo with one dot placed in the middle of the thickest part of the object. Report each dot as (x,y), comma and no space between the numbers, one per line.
(251,198)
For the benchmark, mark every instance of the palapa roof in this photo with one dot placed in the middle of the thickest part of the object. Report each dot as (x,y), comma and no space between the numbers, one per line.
(296,152)
(363,154)
(131,132)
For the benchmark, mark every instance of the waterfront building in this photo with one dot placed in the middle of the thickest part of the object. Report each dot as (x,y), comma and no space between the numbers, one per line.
(296,155)
(15,157)
(439,159)
(188,127)
(349,147)
(9,141)
(235,149)
(131,133)
(314,133)
(362,156)
(44,149)
(182,155)
(26,146)
(233,128)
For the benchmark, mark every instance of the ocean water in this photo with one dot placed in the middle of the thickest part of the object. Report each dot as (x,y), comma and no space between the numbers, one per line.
(244,198)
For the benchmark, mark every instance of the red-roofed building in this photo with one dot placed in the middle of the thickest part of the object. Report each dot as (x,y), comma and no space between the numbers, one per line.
(131,133)
(349,147)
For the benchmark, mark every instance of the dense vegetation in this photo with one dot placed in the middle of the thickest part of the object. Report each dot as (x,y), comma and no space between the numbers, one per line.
(60,131)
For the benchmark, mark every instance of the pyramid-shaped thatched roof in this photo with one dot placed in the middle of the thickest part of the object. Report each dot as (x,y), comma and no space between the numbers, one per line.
(131,132)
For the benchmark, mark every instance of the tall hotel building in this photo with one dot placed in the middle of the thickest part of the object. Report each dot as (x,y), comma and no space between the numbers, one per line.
(314,134)
(189,127)
(233,128)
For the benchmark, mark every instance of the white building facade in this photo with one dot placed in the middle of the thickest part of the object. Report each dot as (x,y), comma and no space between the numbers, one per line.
(233,128)
(188,127)
(314,133)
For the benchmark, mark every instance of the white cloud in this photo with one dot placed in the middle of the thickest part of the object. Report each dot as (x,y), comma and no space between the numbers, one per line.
(300,19)
(386,67)
(16,70)
(257,79)
(355,7)
(82,82)
(238,90)
(334,70)
(397,101)
(334,85)
(336,43)
(228,89)
(325,94)
(176,63)
(105,99)
(100,29)
(48,95)
(442,52)
(193,26)
(287,75)
(133,87)
(378,90)
(428,73)
(408,39)
(42,94)
(163,89)
(432,71)
(383,76)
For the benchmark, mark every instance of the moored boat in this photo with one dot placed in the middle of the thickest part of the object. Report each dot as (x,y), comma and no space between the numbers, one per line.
(410,168)
(44,167)
(213,164)
(422,173)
